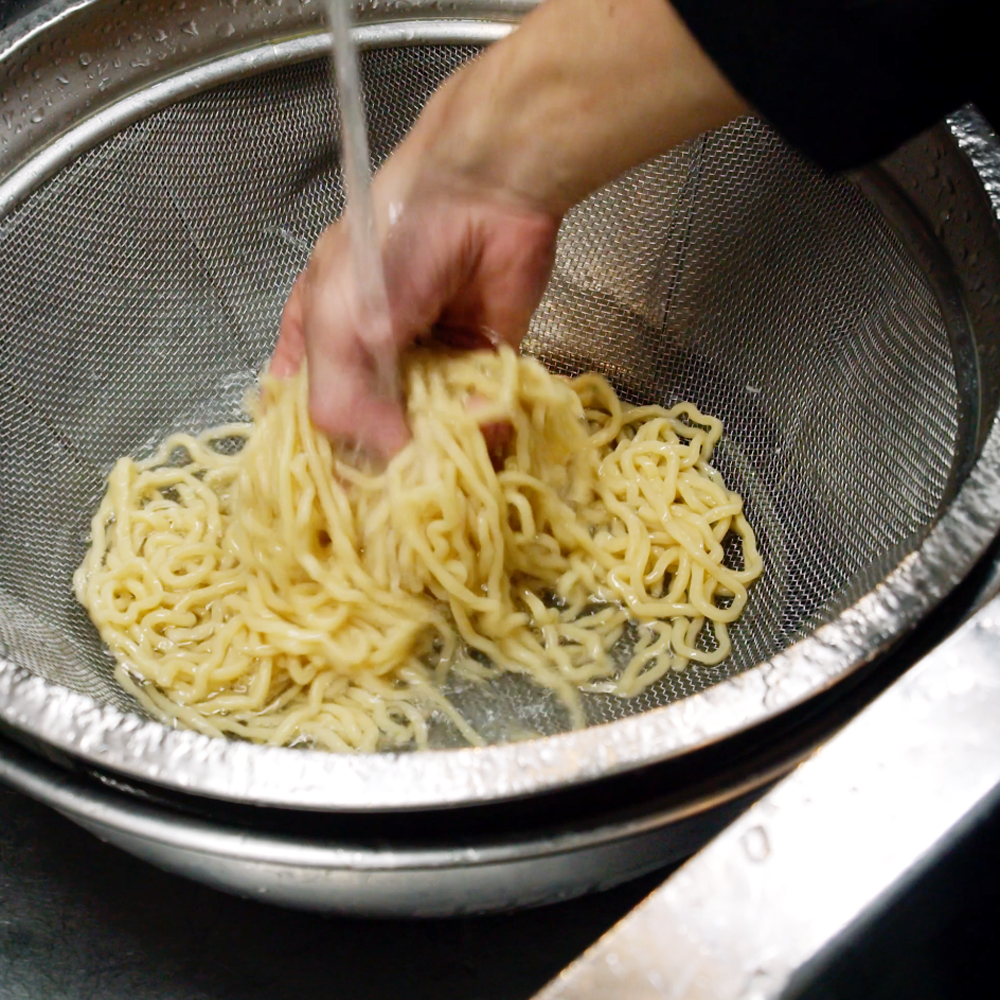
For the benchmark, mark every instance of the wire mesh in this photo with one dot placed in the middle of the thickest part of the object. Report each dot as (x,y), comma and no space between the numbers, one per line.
(143,285)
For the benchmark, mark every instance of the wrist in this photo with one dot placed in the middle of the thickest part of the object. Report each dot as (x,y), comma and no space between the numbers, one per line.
(582,91)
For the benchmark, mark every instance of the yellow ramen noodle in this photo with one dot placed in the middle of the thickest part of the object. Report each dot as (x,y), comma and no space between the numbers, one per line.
(253,581)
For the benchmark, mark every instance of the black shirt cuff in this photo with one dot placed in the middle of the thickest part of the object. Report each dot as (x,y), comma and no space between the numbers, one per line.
(849,80)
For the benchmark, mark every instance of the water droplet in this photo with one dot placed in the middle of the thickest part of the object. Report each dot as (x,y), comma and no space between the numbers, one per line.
(4,97)
(137,63)
(63,79)
(38,115)
(189,28)
(136,36)
(8,119)
(37,74)
(159,35)
(84,59)
(225,30)
(755,843)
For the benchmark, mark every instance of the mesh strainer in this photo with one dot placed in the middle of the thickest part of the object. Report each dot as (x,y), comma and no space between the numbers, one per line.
(145,254)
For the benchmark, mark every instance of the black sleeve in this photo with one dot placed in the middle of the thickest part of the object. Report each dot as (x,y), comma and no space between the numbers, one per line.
(849,80)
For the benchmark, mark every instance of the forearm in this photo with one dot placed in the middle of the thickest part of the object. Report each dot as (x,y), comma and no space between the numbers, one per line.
(582,91)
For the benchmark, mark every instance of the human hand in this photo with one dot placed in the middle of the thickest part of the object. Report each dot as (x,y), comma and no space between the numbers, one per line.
(462,265)
(470,203)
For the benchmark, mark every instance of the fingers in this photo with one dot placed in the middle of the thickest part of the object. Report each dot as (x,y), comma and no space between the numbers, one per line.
(320,323)
(290,348)
(344,407)
(464,270)
(506,268)
(463,338)
(347,400)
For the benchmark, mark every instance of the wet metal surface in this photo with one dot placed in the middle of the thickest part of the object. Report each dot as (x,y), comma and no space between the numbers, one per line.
(745,917)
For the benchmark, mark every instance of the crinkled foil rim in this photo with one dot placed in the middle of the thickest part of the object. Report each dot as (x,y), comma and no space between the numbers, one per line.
(306,779)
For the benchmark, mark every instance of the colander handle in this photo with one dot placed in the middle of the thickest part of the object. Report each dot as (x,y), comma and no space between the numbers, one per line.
(826,850)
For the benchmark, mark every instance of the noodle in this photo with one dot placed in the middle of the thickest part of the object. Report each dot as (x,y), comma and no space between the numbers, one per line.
(254,581)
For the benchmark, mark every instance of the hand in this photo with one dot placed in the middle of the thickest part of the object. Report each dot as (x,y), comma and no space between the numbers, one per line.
(465,266)
(469,204)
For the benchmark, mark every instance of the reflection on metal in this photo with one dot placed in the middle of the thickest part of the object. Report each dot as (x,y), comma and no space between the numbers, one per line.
(384,876)
(111,120)
(740,919)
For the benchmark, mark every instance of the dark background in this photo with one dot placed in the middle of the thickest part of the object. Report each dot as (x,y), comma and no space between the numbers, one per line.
(11,9)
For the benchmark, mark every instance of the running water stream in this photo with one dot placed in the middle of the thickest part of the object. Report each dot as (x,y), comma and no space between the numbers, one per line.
(369,275)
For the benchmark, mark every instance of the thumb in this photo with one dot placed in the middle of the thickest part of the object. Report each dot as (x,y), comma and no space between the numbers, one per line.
(290,348)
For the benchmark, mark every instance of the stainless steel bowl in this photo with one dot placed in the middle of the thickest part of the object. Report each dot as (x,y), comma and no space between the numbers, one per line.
(443,871)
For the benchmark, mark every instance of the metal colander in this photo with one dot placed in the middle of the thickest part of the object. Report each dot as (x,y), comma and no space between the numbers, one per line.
(142,286)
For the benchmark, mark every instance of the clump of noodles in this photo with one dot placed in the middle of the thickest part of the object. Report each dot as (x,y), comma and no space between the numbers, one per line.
(254,581)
